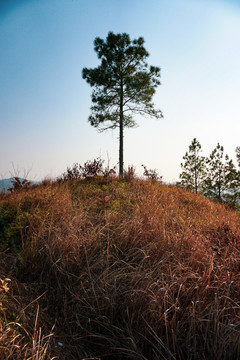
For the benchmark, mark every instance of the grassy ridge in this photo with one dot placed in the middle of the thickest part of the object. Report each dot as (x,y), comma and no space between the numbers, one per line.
(126,270)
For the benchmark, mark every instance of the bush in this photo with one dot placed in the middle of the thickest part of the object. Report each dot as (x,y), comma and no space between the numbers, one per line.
(152,174)
(18,184)
(130,173)
(73,173)
(9,232)
(92,169)
(89,170)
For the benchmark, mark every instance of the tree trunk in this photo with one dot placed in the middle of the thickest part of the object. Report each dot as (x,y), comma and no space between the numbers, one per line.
(121,148)
(196,181)
(121,133)
(219,185)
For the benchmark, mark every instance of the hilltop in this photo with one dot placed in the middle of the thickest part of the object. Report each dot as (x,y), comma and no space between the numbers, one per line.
(121,269)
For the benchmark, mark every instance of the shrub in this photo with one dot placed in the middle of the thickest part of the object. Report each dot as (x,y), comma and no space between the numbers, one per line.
(18,184)
(130,173)
(9,231)
(152,174)
(90,169)
(47,181)
(73,173)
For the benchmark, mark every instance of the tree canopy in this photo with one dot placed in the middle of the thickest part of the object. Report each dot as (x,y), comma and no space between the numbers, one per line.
(193,167)
(215,176)
(123,85)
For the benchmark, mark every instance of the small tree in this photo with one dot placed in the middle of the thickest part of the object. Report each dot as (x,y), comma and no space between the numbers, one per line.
(234,191)
(237,150)
(231,195)
(221,174)
(193,168)
(238,171)
(123,84)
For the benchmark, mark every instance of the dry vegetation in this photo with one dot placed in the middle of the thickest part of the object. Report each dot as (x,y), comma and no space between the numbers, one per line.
(121,269)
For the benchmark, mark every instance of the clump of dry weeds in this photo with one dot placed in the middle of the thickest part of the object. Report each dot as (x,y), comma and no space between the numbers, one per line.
(17,342)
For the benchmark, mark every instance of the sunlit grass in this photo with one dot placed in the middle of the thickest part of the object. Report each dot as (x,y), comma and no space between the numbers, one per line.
(131,270)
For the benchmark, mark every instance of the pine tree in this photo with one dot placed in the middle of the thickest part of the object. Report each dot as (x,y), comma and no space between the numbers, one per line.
(237,150)
(193,168)
(234,192)
(221,175)
(122,85)
(231,195)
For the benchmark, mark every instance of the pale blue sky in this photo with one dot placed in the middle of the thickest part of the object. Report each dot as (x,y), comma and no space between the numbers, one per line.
(44,102)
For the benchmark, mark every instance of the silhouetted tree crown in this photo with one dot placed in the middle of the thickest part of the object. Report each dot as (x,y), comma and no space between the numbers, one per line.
(123,84)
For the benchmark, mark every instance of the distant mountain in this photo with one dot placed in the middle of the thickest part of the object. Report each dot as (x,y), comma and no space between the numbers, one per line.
(5,184)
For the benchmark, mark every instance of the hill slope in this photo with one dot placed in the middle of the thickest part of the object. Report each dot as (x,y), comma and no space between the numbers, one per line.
(127,270)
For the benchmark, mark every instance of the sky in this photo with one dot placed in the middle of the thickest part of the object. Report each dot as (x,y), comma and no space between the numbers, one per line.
(45,103)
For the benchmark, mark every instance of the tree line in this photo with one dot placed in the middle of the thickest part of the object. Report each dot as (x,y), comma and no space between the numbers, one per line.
(215,176)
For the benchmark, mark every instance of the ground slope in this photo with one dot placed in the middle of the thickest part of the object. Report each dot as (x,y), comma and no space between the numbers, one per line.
(125,270)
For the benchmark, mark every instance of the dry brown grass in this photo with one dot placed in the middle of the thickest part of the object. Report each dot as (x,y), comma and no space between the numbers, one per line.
(16,342)
(131,270)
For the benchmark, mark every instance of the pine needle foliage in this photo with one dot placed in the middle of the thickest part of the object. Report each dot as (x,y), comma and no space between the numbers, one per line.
(215,176)
(123,85)
(220,173)
(193,168)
